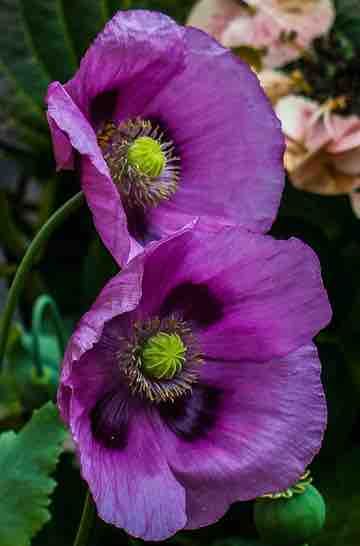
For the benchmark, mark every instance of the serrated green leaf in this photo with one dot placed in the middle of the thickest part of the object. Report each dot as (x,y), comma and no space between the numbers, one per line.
(26,461)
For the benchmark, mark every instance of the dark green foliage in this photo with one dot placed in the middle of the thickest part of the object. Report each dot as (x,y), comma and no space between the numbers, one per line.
(42,41)
(84,19)
(44,21)
(339,481)
(98,268)
(348,19)
(26,461)
(343,401)
(178,9)
(24,79)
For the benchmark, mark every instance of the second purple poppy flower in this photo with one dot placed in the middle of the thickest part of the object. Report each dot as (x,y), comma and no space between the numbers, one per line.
(168,125)
(193,382)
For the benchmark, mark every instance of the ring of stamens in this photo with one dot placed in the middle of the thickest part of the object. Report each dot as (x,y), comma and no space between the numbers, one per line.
(159,389)
(140,187)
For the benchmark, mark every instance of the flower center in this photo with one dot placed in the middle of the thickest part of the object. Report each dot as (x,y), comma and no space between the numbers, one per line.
(141,162)
(163,356)
(146,156)
(160,360)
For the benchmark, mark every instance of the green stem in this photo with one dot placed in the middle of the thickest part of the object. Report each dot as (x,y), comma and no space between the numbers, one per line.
(42,304)
(86,522)
(27,262)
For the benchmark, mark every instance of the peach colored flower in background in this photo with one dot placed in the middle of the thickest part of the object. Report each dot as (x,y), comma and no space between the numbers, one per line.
(276,84)
(322,148)
(284,28)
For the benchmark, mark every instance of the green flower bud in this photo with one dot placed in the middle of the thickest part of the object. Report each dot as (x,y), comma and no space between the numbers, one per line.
(163,355)
(290,521)
(146,156)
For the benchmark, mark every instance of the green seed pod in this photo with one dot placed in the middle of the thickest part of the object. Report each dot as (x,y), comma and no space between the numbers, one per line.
(290,521)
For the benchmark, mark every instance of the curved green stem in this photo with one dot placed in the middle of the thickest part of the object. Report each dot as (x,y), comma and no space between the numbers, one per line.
(27,262)
(43,303)
(87,521)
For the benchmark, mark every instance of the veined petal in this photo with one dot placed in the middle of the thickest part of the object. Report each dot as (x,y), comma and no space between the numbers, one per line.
(258,443)
(71,128)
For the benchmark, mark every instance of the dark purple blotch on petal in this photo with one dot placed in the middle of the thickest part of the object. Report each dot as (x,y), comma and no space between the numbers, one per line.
(103,106)
(195,302)
(138,225)
(110,420)
(193,416)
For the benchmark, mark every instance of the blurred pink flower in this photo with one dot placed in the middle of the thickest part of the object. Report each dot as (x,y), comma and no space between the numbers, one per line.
(322,148)
(213,16)
(284,28)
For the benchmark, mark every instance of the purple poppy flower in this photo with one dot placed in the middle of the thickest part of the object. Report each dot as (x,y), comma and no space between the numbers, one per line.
(167,125)
(193,382)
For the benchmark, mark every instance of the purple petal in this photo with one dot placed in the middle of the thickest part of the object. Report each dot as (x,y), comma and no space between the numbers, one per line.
(223,127)
(120,296)
(63,150)
(116,305)
(135,488)
(256,417)
(269,426)
(70,126)
(129,58)
(266,296)
(275,298)
(125,467)
(227,136)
